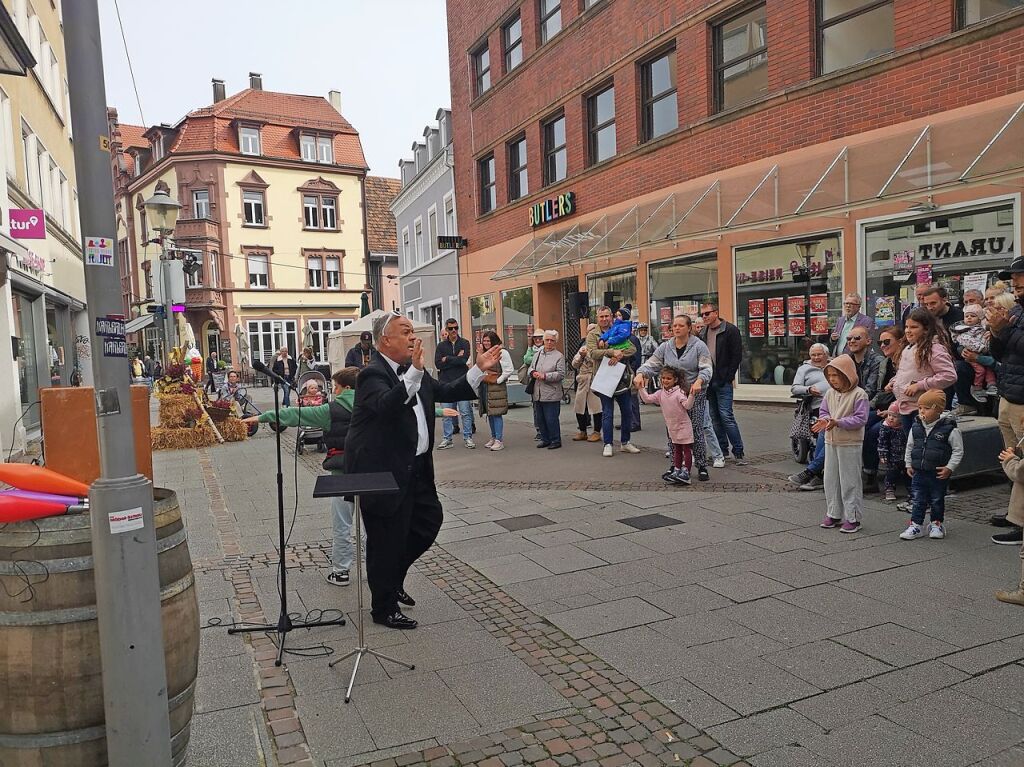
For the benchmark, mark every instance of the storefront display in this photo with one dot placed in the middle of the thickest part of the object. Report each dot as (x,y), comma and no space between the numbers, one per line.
(959,249)
(517,319)
(680,286)
(612,290)
(787,296)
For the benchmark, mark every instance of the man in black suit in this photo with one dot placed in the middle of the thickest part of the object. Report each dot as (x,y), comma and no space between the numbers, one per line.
(392,429)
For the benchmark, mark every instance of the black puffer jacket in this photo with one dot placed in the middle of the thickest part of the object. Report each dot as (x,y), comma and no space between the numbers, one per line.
(1008,349)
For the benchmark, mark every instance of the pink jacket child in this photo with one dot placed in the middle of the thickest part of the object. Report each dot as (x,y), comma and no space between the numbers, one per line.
(675,409)
(938,373)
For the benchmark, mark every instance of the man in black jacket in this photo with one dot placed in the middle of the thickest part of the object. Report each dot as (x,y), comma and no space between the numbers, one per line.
(451,359)
(359,355)
(392,429)
(211,368)
(726,347)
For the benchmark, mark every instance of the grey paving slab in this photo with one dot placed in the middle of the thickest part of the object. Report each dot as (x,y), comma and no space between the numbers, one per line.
(895,645)
(763,732)
(784,622)
(854,562)
(1012,757)
(880,743)
(755,523)
(789,756)
(616,550)
(482,549)
(606,617)
(837,708)
(564,559)
(745,587)
(956,627)
(684,600)
(826,664)
(446,646)
(554,536)
(699,629)
(649,521)
(510,569)
(642,654)
(333,728)
(556,587)
(599,528)
(708,556)
(1003,687)
(917,681)
(985,657)
(522,692)
(757,686)
(734,652)
(692,703)
(227,737)
(666,540)
(468,532)
(840,604)
(635,572)
(794,569)
(225,682)
(782,542)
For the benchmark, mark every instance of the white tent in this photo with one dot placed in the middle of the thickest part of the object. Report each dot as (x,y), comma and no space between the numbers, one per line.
(340,341)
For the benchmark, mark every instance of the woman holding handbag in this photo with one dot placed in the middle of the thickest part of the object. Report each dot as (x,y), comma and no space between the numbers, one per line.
(545,388)
(494,392)
(587,404)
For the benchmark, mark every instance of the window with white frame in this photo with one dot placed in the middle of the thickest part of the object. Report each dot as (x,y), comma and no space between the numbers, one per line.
(432,232)
(324,149)
(7,126)
(421,255)
(21,17)
(319,212)
(258,265)
(307,142)
(65,202)
(408,261)
(214,269)
(315,272)
(332,272)
(201,203)
(195,280)
(53,182)
(31,161)
(249,140)
(449,214)
(158,147)
(322,330)
(328,206)
(252,208)
(67,109)
(311,211)
(43,171)
(266,337)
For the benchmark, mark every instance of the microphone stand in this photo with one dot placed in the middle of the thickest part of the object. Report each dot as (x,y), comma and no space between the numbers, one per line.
(284,624)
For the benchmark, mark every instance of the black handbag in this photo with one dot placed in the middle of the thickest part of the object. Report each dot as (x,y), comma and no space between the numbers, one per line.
(802,418)
(531,382)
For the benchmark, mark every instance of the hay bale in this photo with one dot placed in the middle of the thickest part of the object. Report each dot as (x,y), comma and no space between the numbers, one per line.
(233,430)
(177,410)
(162,438)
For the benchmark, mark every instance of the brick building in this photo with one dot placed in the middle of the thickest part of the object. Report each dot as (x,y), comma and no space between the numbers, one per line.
(771,156)
(272,193)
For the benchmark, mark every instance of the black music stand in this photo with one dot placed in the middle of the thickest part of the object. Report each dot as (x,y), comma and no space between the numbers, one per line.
(357,485)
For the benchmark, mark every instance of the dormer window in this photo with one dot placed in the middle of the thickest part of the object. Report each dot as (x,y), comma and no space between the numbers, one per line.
(249,140)
(158,147)
(316,148)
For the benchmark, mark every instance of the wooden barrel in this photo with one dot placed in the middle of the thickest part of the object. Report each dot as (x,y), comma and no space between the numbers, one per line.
(51,704)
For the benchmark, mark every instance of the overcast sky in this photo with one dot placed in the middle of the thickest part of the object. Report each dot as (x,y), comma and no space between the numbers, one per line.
(389,59)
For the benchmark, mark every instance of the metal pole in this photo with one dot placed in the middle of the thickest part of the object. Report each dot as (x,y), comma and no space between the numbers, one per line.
(121,500)
(165,289)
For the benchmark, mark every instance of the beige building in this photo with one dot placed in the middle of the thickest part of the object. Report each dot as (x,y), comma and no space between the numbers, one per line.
(42,277)
(271,188)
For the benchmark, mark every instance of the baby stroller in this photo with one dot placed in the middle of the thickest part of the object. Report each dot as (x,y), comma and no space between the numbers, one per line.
(245,407)
(568,386)
(310,435)
(801,438)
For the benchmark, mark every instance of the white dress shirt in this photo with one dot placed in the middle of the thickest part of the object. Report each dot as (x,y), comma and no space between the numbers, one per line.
(412,379)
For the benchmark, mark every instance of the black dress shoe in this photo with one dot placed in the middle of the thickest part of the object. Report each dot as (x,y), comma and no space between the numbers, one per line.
(999,520)
(554,446)
(396,621)
(543,444)
(405,599)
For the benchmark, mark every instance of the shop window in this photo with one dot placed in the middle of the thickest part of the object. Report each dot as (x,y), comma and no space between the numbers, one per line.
(550,19)
(482,316)
(852,31)
(488,190)
(24,342)
(658,95)
(680,286)
(601,126)
(788,296)
(555,153)
(518,184)
(321,331)
(975,11)
(741,58)
(959,251)
(266,337)
(482,69)
(512,40)
(517,319)
(611,290)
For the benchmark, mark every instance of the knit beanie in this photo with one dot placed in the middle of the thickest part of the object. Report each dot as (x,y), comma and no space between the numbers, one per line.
(624,311)
(933,397)
(975,310)
(894,409)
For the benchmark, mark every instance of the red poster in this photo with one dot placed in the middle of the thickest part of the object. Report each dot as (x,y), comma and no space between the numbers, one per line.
(819,325)
(665,313)
(819,303)
(776,308)
(666,331)
(755,329)
(796,305)
(776,326)
(755,308)
(797,326)
(478,336)
(510,339)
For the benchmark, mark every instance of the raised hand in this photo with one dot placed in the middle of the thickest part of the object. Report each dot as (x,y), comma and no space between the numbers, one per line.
(417,354)
(490,358)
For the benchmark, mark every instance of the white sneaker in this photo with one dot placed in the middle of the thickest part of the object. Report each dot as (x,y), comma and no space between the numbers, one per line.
(628,447)
(719,463)
(936,530)
(489,443)
(444,444)
(607,453)
(497,445)
(470,444)
(912,533)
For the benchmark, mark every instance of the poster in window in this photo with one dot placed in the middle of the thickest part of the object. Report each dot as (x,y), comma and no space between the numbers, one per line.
(924,274)
(796,305)
(797,326)
(885,311)
(529,330)
(819,325)
(819,303)
(776,326)
(666,331)
(903,263)
(776,308)
(975,281)
(665,314)
(510,339)
(755,328)
(755,308)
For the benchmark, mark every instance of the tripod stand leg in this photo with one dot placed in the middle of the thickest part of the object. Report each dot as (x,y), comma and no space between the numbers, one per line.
(382,656)
(346,656)
(355,670)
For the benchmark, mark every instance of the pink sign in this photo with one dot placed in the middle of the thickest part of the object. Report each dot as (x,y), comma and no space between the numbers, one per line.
(28,224)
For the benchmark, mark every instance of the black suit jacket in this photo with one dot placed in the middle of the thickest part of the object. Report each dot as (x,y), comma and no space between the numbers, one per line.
(383,432)
(728,352)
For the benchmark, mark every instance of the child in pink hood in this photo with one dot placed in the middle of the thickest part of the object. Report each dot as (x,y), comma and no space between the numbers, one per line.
(676,400)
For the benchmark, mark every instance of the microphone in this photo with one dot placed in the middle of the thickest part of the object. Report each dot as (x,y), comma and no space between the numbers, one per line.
(259,365)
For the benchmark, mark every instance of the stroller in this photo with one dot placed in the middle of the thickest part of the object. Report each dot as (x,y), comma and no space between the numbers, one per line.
(310,435)
(245,407)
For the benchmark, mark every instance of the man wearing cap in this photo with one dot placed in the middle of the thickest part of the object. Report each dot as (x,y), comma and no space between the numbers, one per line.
(359,356)
(1007,347)
(451,358)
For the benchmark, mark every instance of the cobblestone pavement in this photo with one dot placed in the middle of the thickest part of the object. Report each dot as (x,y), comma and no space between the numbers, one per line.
(568,620)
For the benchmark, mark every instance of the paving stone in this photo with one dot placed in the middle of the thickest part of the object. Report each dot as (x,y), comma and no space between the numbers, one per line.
(757,687)
(745,587)
(917,681)
(649,521)
(226,736)
(790,756)
(607,617)
(763,732)
(523,693)
(565,559)
(691,703)
(525,522)
(826,664)
(985,657)
(876,741)
(895,645)
(699,628)
(685,600)
(511,569)
(847,704)
(1003,687)
(783,622)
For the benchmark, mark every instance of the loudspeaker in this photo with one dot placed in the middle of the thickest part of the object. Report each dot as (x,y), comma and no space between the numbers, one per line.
(579,303)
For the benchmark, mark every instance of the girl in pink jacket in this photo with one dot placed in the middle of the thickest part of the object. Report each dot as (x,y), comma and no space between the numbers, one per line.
(925,364)
(676,400)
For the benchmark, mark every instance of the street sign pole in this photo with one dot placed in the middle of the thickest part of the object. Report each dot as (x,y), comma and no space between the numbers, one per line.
(121,500)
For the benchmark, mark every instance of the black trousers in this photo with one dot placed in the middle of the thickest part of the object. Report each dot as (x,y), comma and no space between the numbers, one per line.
(394,542)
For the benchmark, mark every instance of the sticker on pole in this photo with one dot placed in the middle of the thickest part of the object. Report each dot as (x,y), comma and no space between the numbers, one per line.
(126,521)
(99,251)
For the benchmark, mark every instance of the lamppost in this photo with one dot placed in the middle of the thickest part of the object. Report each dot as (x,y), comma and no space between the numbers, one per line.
(162,210)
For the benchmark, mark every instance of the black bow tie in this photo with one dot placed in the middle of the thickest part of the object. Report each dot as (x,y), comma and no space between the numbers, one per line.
(402,369)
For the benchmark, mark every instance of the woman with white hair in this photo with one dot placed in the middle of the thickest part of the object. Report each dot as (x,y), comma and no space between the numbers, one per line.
(546,373)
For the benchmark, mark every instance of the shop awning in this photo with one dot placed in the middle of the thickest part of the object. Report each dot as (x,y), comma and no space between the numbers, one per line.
(966,147)
(139,323)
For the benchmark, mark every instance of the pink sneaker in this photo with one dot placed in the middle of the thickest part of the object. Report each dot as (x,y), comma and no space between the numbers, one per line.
(850,527)
(829,523)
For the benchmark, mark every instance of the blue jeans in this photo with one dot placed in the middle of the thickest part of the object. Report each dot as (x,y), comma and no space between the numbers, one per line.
(928,490)
(711,439)
(726,428)
(608,416)
(287,397)
(465,409)
(497,424)
(634,412)
(870,451)
(343,551)
(817,462)
(550,429)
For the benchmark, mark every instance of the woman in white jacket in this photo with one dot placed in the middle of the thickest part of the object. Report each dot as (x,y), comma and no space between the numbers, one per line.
(494,392)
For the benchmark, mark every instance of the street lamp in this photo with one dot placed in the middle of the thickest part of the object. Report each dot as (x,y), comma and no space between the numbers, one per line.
(162,211)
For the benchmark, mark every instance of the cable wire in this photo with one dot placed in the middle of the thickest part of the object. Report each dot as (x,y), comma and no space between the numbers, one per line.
(131,69)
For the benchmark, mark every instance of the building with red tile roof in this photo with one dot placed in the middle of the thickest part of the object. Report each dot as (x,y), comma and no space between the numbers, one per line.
(382,241)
